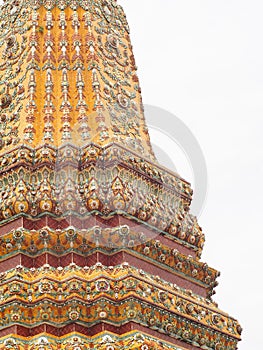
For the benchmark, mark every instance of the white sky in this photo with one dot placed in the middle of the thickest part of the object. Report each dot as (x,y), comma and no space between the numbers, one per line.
(203,61)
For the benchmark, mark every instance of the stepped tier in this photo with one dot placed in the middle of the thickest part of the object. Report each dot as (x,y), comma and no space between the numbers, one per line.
(96,181)
(33,248)
(102,341)
(116,296)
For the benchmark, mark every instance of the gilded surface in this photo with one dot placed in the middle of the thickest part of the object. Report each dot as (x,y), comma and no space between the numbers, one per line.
(116,295)
(67,74)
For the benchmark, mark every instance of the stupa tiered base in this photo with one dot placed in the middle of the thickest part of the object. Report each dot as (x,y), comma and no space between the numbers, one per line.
(62,280)
(87,300)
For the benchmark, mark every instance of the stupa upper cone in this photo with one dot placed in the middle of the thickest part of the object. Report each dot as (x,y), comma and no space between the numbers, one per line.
(68,75)
(73,137)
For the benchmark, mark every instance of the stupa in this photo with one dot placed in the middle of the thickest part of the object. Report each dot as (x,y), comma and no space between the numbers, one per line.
(98,247)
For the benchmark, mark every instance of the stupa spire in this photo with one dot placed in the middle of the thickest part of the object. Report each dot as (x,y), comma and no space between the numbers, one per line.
(70,93)
(55,50)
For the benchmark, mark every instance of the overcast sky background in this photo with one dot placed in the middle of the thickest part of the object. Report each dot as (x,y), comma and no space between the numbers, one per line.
(202,60)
